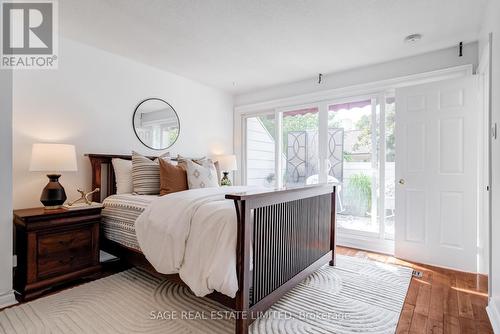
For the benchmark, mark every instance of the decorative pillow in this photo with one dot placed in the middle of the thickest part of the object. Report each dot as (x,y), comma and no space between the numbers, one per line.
(201,176)
(172,178)
(219,173)
(146,174)
(123,176)
(182,159)
(182,162)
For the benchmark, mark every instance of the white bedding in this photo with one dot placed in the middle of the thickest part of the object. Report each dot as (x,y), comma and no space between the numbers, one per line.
(193,233)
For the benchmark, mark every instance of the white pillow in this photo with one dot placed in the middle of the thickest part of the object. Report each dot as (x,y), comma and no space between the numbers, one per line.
(201,176)
(123,176)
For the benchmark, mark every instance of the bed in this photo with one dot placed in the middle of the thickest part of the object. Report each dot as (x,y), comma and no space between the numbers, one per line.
(282,236)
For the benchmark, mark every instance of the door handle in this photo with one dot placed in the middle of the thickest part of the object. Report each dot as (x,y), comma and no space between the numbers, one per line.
(402,181)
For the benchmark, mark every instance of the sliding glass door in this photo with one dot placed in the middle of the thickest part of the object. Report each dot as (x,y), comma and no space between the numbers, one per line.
(337,141)
(358,197)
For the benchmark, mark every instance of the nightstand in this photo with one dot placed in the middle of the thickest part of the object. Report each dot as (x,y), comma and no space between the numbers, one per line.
(54,247)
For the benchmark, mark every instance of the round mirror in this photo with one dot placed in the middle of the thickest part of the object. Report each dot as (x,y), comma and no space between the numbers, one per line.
(156,124)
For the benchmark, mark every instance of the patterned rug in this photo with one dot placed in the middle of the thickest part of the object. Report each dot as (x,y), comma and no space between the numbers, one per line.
(357,296)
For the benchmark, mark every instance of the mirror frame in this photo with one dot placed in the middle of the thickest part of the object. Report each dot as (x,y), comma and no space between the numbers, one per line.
(135,131)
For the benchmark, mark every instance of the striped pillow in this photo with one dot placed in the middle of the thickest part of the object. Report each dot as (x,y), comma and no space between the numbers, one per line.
(146,174)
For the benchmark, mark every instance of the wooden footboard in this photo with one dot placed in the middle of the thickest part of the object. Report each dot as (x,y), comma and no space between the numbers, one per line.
(289,233)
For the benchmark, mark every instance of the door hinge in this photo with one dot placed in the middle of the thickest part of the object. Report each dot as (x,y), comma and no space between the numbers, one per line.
(14,261)
(494,131)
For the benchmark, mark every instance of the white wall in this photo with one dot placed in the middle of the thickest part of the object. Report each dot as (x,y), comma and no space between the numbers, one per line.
(492,24)
(6,295)
(398,68)
(89,102)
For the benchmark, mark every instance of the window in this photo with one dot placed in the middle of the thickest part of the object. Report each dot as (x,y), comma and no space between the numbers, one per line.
(335,141)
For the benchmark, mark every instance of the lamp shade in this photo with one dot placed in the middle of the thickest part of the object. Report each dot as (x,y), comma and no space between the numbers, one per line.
(227,163)
(53,158)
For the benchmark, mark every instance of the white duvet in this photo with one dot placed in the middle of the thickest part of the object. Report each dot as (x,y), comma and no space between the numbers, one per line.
(193,233)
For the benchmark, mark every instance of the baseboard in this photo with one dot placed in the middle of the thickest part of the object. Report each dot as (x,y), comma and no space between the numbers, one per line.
(494,315)
(7,299)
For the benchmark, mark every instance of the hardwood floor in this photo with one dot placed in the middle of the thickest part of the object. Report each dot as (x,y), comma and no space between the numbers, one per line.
(442,301)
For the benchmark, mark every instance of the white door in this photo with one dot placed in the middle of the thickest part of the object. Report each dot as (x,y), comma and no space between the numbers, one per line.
(436,174)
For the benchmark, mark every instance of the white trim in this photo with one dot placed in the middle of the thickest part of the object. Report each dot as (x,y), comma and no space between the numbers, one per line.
(372,244)
(7,299)
(485,68)
(239,146)
(278,148)
(323,142)
(382,157)
(374,162)
(358,90)
(494,315)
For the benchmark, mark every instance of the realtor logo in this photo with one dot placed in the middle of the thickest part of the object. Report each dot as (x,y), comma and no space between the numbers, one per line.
(29,34)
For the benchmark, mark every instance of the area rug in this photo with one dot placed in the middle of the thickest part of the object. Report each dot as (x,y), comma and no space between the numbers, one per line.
(357,296)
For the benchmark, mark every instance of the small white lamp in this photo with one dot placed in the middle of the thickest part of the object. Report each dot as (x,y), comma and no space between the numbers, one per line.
(53,158)
(227,163)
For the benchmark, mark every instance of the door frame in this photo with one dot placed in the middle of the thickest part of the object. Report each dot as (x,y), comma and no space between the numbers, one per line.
(484,72)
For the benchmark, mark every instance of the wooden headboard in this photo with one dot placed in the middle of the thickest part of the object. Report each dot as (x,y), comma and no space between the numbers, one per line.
(103,174)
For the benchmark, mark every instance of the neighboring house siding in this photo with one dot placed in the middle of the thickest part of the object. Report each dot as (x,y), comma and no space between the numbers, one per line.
(260,153)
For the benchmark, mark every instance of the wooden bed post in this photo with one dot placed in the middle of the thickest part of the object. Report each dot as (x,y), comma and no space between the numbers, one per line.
(243,266)
(333,242)
(96,178)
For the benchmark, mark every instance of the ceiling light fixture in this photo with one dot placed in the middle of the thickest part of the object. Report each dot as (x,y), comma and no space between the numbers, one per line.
(413,38)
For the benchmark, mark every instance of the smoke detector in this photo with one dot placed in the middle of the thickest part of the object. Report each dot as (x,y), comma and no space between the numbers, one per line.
(413,38)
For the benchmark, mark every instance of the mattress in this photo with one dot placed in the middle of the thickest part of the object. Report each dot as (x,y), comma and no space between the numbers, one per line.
(119,215)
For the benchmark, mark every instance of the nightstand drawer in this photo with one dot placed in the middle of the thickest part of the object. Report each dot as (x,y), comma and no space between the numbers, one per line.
(64,262)
(53,243)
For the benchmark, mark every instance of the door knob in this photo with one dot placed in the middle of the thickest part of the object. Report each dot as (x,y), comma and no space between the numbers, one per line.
(401,181)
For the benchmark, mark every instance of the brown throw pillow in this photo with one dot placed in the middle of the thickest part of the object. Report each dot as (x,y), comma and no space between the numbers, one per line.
(172,178)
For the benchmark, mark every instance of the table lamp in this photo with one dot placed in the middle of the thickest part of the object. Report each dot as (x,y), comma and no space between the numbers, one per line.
(53,158)
(227,163)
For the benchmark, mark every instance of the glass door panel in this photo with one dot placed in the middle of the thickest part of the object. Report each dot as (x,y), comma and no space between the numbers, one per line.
(300,151)
(358,195)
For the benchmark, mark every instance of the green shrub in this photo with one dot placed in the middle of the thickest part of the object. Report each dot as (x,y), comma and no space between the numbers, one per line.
(358,195)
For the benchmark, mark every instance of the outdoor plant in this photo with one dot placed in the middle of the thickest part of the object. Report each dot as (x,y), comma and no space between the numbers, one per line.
(358,194)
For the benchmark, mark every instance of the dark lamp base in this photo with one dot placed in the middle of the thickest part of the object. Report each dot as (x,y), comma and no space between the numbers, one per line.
(53,195)
(225,181)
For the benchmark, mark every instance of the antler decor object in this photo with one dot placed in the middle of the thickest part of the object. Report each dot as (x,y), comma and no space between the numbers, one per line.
(84,197)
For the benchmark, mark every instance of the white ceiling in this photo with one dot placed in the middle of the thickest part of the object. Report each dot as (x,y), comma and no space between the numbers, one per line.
(245,45)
